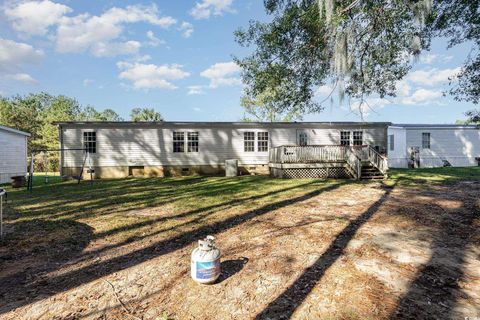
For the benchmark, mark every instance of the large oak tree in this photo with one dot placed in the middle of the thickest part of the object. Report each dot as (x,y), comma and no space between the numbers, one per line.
(363,47)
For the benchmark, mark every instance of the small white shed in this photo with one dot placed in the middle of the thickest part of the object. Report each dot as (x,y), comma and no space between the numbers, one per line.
(13,153)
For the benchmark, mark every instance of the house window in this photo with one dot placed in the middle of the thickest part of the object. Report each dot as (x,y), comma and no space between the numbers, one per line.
(90,141)
(426,140)
(262,141)
(303,139)
(249,141)
(192,143)
(178,141)
(391,139)
(345,138)
(357,138)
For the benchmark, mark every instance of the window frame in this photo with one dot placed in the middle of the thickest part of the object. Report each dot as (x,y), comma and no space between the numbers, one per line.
(355,139)
(343,140)
(263,143)
(303,139)
(249,144)
(178,143)
(391,142)
(193,140)
(90,141)
(426,143)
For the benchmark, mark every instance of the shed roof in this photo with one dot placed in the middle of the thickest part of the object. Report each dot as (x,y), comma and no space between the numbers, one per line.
(14,131)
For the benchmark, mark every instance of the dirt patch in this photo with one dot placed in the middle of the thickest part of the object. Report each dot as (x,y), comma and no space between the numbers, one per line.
(352,251)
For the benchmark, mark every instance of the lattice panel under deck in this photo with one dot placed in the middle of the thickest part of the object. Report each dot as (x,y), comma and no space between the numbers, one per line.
(311,173)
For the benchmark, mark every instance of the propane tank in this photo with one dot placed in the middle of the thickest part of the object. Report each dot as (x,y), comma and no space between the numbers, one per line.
(206,261)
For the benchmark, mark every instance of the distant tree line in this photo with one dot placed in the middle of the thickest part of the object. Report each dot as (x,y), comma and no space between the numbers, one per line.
(35,113)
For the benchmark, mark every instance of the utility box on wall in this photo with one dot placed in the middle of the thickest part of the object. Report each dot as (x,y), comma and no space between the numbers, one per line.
(231,168)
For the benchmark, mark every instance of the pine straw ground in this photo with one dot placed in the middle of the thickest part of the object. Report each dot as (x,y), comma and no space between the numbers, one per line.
(408,247)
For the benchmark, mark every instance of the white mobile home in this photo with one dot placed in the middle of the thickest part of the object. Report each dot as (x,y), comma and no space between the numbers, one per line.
(433,145)
(13,153)
(119,149)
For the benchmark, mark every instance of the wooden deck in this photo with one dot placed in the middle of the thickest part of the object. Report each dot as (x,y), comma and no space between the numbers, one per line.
(328,161)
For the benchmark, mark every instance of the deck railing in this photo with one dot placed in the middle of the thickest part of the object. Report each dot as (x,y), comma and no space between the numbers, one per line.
(368,153)
(354,162)
(352,155)
(307,154)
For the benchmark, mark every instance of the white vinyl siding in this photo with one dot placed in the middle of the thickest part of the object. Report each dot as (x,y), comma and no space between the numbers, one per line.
(153,145)
(13,155)
(397,147)
(459,146)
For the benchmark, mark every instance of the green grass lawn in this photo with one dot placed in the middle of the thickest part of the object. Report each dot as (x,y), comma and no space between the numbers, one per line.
(118,210)
(434,175)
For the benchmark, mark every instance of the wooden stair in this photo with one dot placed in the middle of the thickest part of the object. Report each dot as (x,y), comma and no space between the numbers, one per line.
(369,172)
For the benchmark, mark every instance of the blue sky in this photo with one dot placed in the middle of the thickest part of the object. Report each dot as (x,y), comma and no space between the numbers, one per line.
(176,57)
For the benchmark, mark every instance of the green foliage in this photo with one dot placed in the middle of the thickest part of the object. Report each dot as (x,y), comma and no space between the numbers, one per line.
(36,113)
(363,47)
(473,116)
(459,21)
(91,114)
(145,114)
(265,108)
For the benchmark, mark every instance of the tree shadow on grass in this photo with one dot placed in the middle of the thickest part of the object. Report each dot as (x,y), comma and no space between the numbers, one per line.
(56,243)
(436,288)
(286,303)
(96,270)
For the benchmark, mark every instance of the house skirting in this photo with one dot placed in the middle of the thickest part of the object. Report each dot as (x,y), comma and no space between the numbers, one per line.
(163,171)
(336,170)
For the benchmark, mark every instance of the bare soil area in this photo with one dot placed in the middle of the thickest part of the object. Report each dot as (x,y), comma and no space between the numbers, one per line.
(336,250)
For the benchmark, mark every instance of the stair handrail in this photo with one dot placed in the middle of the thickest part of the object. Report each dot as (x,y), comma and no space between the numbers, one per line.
(354,161)
(377,160)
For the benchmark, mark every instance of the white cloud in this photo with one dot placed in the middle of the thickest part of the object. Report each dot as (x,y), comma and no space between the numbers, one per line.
(422,96)
(222,74)
(194,90)
(428,58)
(87,82)
(13,56)
(34,17)
(150,76)
(112,49)
(206,8)
(430,77)
(154,41)
(99,34)
(22,77)
(186,28)
(403,88)
(197,109)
